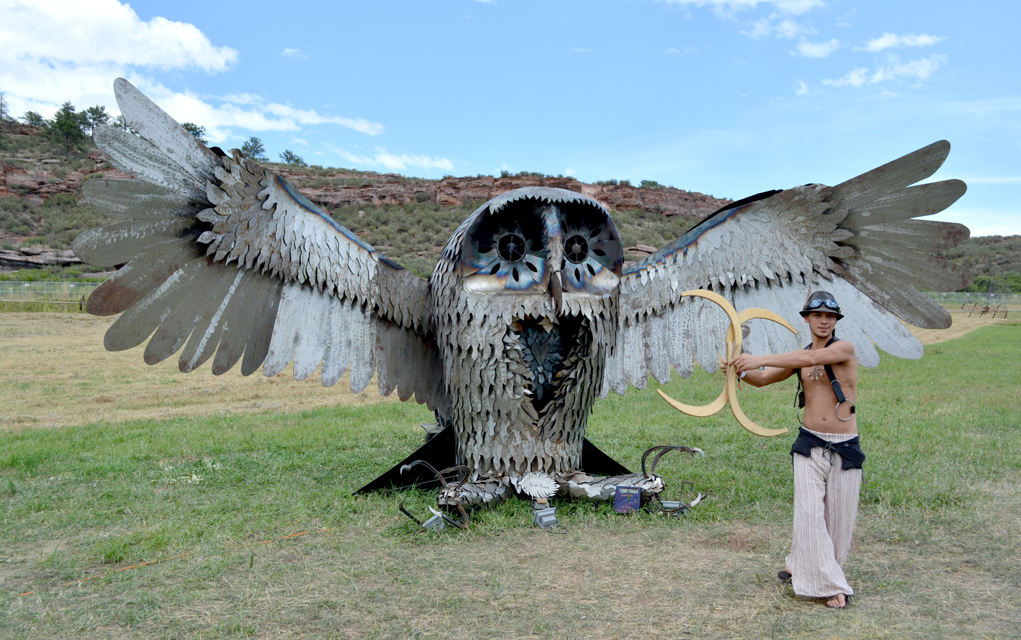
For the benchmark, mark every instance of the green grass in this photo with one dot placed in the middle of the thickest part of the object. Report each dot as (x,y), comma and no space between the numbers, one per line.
(51,273)
(938,549)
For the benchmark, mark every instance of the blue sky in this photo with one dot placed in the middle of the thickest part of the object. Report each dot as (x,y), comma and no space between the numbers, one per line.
(725,97)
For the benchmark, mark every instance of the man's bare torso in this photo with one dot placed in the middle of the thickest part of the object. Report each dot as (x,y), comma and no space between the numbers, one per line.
(820,401)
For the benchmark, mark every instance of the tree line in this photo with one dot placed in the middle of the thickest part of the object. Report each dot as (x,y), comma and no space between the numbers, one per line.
(70,127)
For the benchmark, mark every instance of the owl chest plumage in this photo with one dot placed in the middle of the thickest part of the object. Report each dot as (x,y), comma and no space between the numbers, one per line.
(522,382)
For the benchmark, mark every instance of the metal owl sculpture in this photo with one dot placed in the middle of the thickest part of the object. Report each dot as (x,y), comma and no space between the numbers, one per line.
(528,316)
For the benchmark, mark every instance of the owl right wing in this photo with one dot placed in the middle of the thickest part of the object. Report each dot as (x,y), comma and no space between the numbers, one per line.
(229,261)
(857,240)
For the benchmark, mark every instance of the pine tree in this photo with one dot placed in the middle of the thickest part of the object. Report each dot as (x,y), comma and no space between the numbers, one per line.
(253,149)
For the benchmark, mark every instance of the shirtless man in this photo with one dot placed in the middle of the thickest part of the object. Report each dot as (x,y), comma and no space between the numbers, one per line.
(827,457)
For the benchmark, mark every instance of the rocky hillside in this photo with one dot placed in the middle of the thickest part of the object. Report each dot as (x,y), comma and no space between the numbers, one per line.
(331,188)
(408,219)
(40,209)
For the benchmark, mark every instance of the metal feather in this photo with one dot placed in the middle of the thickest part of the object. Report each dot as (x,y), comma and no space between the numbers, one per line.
(135,199)
(136,156)
(153,124)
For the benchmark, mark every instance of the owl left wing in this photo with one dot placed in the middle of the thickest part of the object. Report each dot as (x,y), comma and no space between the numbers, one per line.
(856,240)
(222,258)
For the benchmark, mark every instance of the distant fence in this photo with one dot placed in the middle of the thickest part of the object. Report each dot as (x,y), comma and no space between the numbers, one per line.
(73,292)
(45,291)
(957,299)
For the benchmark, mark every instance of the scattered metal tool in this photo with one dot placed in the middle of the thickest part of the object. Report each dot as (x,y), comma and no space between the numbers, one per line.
(670,507)
(436,522)
(543,515)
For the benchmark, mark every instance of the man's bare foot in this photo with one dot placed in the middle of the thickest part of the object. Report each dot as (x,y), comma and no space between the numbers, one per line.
(838,601)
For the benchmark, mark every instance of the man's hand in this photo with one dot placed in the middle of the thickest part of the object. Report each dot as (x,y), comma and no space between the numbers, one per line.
(743,362)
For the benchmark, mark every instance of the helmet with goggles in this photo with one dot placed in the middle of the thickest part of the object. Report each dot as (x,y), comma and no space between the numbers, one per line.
(821,301)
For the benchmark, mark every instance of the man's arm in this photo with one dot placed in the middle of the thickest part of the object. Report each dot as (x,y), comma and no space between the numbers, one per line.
(839,351)
(762,378)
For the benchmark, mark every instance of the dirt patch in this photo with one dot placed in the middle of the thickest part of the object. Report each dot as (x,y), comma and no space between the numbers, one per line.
(57,373)
(962,325)
(621,581)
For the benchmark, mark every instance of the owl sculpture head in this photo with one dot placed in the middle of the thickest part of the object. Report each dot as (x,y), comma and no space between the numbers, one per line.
(541,240)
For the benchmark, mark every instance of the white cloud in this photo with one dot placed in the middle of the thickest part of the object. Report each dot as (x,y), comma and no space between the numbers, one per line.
(802,89)
(845,20)
(672,51)
(570,172)
(242,98)
(579,50)
(790,29)
(890,40)
(918,70)
(104,32)
(795,7)
(855,78)
(293,53)
(221,119)
(55,51)
(303,116)
(786,28)
(392,162)
(817,49)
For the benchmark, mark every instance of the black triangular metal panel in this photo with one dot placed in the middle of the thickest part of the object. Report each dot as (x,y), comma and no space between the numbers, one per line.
(439,451)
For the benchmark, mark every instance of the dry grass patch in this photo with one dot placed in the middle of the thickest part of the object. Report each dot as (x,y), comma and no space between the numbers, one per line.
(963,325)
(627,578)
(56,372)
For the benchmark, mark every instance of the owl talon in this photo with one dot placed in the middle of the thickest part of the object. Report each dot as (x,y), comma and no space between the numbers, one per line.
(663,449)
(671,507)
(603,488)
(483,492)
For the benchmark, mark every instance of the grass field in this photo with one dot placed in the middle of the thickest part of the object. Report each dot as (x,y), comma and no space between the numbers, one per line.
(106,464)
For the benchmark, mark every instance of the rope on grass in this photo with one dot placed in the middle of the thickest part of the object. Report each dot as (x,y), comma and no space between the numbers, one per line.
(183,555)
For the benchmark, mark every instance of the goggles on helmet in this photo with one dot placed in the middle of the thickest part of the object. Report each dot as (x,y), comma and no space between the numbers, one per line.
(818,302)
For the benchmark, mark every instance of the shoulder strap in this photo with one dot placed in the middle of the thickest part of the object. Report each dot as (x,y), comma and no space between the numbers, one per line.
(837,391)
(833,379)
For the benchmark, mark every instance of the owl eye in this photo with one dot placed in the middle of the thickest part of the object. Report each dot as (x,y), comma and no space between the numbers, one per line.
(576,249)
(511,247)
(592,250)
(506,250)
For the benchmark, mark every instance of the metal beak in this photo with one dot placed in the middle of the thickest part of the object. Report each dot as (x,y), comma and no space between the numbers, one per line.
(556,291)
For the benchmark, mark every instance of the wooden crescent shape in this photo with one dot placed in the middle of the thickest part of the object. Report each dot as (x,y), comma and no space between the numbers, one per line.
(716,405)
(729,393)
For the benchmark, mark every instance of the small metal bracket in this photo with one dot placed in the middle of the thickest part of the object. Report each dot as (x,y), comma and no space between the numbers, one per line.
(432,429)
(543,515)
(436,522)
(674,507)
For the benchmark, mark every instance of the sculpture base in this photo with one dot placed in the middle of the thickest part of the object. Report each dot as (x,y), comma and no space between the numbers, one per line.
(441,452)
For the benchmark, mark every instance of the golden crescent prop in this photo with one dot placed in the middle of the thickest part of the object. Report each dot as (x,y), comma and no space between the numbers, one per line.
(729,393)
